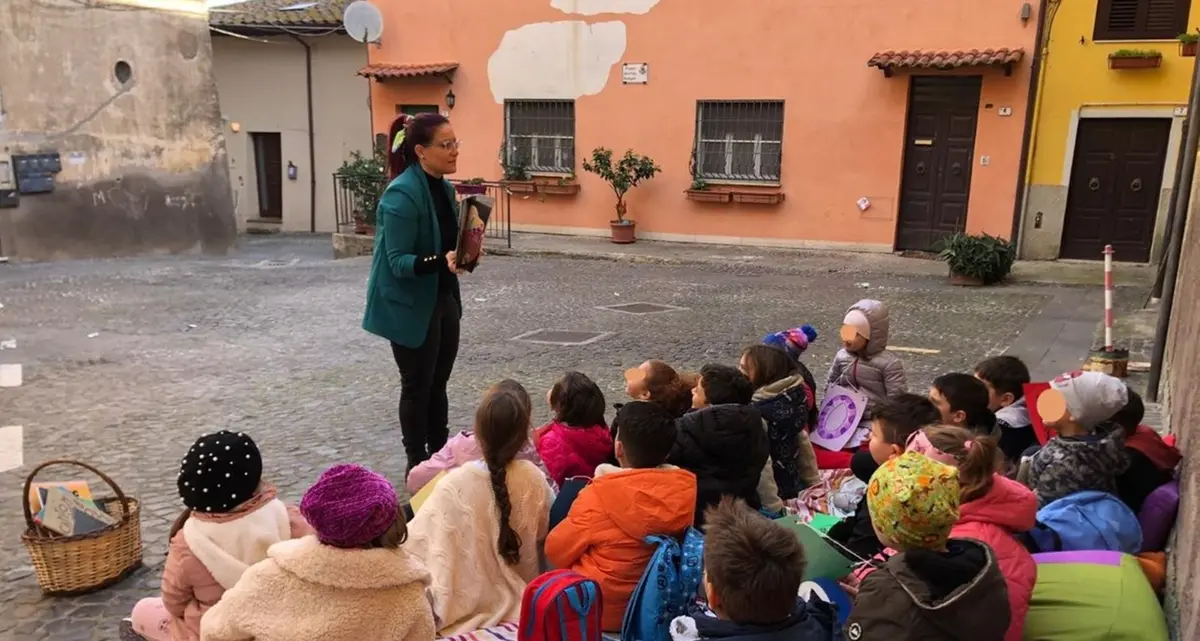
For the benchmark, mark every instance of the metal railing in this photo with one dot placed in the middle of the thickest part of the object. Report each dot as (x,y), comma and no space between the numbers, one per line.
(739,140)
(355,193)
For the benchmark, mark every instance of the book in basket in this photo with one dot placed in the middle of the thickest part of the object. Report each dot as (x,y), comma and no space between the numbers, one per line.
(473,218)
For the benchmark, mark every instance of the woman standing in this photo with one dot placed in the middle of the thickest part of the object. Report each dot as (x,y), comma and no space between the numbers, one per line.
(413,298)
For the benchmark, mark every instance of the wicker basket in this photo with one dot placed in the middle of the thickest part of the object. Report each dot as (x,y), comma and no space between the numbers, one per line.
(86,562)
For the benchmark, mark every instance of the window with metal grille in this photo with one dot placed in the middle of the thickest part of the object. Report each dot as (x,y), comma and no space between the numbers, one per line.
(1140,19)
(540,135)
(739,140)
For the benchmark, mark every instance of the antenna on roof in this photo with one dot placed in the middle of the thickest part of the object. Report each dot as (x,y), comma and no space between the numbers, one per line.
(363,22)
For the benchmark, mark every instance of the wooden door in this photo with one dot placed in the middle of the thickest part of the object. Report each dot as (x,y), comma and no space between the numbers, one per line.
(1116,178)
(268,170)
(414,110)
(939,150)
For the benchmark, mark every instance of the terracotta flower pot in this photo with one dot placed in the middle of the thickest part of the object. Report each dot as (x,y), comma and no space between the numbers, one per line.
(1134,62)
(965,281)
(1188,49)
(623,232)
(470,189)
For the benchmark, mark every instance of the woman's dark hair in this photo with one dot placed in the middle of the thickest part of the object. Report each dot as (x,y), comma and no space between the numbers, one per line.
(766,364)
(969,395)
(394,537)
(418,130)
(179,521)
(502,428)
(668,388)
(577,401)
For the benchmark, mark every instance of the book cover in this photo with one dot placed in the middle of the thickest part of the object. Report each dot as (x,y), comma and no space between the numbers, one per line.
(65,513)
(474,212)
(37,492)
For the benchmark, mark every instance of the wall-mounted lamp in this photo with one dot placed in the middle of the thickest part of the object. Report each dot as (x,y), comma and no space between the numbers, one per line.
(292,171)
(450,99)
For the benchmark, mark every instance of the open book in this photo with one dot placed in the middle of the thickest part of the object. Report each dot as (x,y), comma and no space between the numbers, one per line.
(474,212)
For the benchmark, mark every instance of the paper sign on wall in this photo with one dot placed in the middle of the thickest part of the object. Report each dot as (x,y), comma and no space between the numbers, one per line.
(840,414)
(635,73)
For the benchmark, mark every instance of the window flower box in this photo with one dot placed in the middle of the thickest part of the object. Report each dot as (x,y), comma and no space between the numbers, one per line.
(758,197)
(558,189)
(1126,59)
(707,195)
(1188,43)
(520,186)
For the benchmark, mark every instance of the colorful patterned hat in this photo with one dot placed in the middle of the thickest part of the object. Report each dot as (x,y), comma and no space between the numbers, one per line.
(913,501)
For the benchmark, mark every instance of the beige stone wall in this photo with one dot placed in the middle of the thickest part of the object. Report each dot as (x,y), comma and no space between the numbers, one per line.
(143,160)
(262,88)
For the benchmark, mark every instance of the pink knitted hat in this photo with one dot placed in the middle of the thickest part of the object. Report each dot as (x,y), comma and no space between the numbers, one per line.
(350,506)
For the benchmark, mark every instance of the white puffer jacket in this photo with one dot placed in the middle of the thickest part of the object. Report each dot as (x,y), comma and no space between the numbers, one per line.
(877,372)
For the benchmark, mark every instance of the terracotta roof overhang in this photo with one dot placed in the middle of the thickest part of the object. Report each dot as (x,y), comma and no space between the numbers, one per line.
(383,71)
(265,16)
(888,61)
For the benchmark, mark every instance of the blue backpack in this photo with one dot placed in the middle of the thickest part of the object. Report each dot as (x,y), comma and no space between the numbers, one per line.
(1087,520)
(667,587)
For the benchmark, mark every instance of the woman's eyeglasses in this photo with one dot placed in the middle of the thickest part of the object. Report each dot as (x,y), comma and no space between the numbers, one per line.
(448,145)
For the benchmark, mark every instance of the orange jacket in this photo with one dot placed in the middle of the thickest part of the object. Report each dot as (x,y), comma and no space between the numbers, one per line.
(602,536)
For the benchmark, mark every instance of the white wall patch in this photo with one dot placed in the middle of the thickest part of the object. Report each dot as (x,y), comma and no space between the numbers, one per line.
(10,376)
(12,447)
(596,7)
(555,60)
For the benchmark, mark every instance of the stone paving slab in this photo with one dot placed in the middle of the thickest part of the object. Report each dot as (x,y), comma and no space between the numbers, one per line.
(127,361)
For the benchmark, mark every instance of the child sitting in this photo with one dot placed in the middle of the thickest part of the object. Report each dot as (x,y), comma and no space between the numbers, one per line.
(962,400)
(1005,378)
(351,581)
(787,404)
(795,342)
(658,382)
(480,529)
(1152,461)
(753,569)
(1089,451)
(462,448)
(864,364)
(934,587)
(992,509)
(724,445)
(724,385)
(895,420)
(577,440)
(603,536)
(230,521)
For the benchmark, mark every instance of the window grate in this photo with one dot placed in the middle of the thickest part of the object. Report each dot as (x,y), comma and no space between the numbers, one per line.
(739,140)
(540,135)
(1140,19)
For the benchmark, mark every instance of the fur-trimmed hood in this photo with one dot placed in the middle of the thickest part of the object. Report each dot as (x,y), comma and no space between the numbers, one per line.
(308,559)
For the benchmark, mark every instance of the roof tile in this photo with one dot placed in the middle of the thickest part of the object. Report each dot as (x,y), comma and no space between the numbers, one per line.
(391,70)
(933,59)
(279,13)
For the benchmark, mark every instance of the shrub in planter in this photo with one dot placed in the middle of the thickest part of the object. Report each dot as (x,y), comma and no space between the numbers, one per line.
(977,258)
(1134,59)
(624,174)
(365,178)
(471,186)
(1188,43)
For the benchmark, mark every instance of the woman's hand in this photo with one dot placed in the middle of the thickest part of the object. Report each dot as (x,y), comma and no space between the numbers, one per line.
(452,262)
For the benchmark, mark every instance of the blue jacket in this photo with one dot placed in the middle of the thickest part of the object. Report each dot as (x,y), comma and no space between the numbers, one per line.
(811,621)
(399,302)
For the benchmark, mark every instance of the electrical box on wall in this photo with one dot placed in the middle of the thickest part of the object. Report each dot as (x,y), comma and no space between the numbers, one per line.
(35,172)
(9,196)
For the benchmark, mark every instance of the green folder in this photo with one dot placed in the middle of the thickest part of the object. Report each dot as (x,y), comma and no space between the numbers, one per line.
(824,559)
(823,522)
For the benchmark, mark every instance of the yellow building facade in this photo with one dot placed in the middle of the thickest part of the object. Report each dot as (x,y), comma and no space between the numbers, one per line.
(1107,128)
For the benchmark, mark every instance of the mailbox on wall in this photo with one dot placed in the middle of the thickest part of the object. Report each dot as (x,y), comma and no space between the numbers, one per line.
(35,172)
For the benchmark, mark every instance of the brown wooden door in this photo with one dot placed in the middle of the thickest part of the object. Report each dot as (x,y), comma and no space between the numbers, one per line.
(939,149)
(1116,178)
(268,169)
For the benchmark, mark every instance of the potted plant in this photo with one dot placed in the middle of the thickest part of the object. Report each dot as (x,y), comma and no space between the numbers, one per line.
(1188,44)
(1134,59)
(976,259)
(471,187)
(564,186)
(699,192)
(623,175)
(516,172)
(364,178)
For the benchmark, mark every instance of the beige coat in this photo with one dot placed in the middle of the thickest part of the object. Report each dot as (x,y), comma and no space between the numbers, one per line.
(455,534)
(306,591)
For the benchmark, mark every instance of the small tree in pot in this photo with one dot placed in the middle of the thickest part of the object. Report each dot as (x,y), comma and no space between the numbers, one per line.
(977,259)
(364,178)
(625,174)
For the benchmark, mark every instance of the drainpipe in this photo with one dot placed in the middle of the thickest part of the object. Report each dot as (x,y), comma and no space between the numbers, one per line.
(1172,211)
(1033,106)
(1179,218)
(312,146)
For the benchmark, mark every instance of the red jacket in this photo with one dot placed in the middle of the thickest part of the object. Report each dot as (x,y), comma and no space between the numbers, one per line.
(573,451)
(1163,455)
(602,536)
(1008,508)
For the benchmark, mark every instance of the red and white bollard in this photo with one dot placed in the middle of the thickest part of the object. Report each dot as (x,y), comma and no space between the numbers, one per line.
(1108,298)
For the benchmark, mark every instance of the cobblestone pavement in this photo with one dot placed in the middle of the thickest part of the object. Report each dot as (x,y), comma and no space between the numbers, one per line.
(127,361)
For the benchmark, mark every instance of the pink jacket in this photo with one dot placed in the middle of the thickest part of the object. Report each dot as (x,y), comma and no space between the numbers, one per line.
(995,518)
(573,451)
(189,589)
(459,450)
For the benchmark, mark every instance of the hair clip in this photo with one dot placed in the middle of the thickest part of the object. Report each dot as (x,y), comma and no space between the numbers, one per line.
(398,141)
